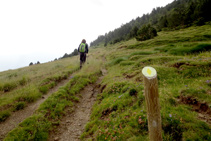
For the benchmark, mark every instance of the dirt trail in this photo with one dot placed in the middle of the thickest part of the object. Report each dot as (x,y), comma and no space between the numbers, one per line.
(73,123)
(18,116)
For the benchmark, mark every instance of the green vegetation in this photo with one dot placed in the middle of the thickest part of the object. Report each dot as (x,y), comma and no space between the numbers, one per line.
(177,15)
(52,81)
(51,111)
(182,60)
(180,50)
(4,115)
(146,32)
(26,85)
(37,126)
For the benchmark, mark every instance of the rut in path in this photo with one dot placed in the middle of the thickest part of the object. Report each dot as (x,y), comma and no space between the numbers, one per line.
(73,123)
(18,116)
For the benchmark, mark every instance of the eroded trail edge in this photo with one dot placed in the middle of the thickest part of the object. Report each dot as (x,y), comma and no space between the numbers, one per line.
(18,116)
(73,123)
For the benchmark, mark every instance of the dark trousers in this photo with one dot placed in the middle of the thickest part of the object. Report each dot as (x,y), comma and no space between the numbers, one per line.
(82,58)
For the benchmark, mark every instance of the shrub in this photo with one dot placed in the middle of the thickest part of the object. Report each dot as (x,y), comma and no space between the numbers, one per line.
(4,115)
(146,32)
(172,127)
(23,81)
(9,86)
(133,92)
(51,82)
(19,106)
(43,89)
(29,95)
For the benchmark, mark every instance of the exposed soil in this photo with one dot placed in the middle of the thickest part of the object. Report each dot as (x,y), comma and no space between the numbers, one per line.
(178,64)
(18,116)
(73,123)
(129,76)
(122,47)
(107,112)
(202,108)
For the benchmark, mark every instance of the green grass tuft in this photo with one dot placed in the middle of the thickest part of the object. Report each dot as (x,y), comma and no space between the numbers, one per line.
(190,50)
(19,106)
(7,87)
(4,115)
(142,53)
(117,61)
(126,63)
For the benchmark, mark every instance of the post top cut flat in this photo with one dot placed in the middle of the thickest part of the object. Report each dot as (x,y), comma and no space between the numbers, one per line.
(149,72)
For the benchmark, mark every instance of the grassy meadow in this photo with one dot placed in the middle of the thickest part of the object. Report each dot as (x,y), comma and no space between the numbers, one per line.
(182,59)
(49,113)
(25,85)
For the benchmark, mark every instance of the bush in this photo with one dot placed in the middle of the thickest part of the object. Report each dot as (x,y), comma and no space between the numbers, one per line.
(43,89)
(133,92)
(172,127)
(23,81)
(9,86)
(19,106)
(4,115)
(146,32)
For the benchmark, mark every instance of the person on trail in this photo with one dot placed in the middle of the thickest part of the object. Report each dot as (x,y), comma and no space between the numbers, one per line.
(83,50)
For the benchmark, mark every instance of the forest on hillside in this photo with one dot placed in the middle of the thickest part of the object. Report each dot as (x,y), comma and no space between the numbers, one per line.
(176,15)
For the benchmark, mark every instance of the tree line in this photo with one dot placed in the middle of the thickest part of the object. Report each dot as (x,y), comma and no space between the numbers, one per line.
(176,15)
(74,53)
(30,64)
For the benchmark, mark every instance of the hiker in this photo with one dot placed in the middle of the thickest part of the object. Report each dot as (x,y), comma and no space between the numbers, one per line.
(83,50)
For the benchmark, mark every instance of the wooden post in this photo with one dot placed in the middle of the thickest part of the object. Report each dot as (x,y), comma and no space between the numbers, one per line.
(152,103)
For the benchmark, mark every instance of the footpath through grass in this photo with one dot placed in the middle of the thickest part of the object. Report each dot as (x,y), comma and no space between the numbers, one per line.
(52,110)
(20,87)
(182,59)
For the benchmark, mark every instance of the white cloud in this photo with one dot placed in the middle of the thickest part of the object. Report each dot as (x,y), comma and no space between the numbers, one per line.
(49,28)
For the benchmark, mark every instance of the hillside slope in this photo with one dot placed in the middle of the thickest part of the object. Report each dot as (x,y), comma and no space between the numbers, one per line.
(182,59)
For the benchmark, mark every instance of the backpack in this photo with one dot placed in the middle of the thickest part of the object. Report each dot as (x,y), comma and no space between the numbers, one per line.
(82,47)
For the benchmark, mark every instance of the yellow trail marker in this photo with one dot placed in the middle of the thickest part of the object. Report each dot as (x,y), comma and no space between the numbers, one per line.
(149,71)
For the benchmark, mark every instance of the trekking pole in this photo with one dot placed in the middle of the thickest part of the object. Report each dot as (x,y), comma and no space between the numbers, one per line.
(79,59)
(87,59)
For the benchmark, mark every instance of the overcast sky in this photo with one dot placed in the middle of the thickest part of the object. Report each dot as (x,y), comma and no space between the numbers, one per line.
(42,30)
